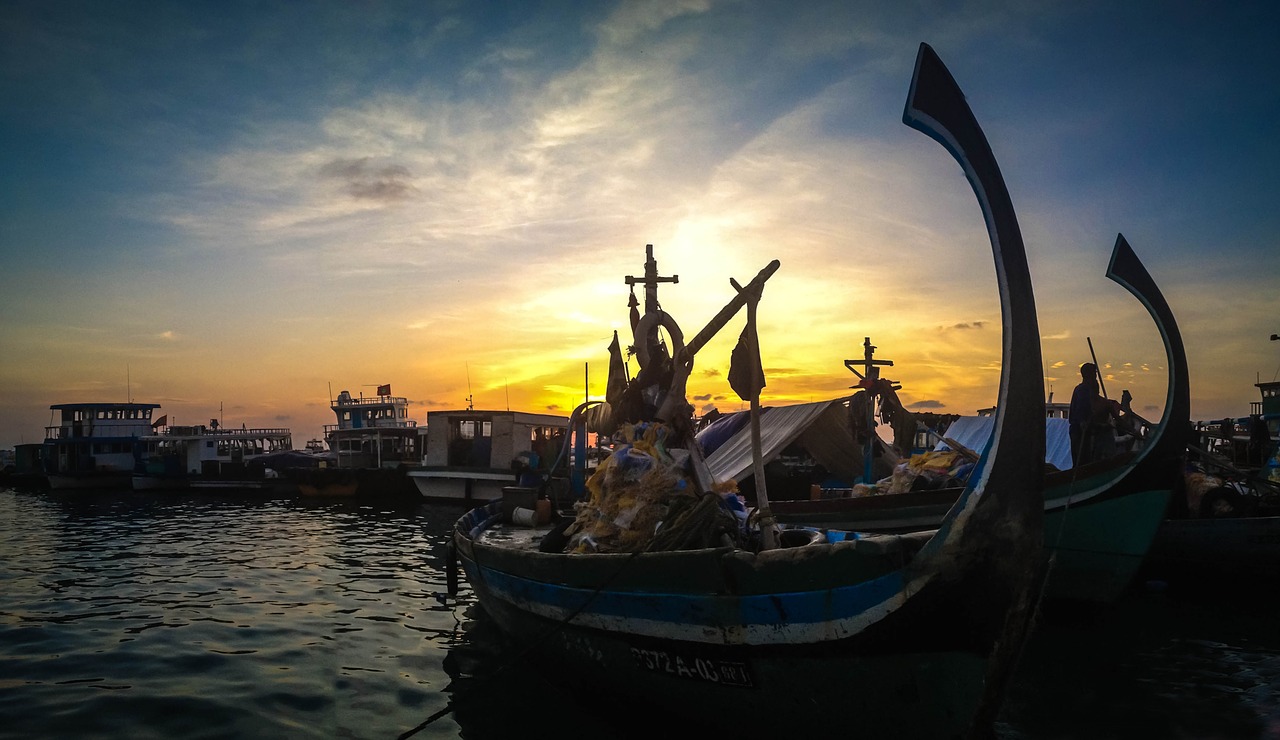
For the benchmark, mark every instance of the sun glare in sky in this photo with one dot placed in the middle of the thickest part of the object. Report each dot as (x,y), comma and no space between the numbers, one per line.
(243,210)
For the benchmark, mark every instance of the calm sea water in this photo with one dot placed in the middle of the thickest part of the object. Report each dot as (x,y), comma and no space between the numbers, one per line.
(184,616)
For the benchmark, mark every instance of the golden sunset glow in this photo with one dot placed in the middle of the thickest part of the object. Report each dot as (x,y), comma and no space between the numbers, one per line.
(451,204)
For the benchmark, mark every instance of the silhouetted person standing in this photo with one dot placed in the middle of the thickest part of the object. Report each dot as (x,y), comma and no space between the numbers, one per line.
(1089,418)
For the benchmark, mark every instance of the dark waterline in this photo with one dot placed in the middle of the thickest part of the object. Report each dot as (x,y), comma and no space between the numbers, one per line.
(139,616)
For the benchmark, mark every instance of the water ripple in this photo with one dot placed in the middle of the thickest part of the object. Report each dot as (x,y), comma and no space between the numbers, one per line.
(220,617)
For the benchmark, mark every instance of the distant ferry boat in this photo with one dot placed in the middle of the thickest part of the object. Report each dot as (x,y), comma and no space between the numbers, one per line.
(96,445)
(369,449)
(209,456)
(373,432)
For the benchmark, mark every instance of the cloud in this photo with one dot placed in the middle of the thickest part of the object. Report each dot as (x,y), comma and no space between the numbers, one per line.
(964,325)
(361,179)
(928,404)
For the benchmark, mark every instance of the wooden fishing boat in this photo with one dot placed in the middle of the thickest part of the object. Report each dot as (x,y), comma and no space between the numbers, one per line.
(913,635)
(1100,517)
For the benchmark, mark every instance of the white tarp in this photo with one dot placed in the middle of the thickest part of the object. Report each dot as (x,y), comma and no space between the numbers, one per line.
(974,432)
(823,426)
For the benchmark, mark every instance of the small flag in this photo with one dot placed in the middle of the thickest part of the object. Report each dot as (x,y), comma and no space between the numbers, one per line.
(617,382)
(384,390)
(160,422)
(746,375)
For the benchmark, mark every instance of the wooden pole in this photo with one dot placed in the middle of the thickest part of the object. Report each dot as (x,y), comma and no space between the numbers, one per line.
(751,295)
(731,308)
(767,533)
(1101,387)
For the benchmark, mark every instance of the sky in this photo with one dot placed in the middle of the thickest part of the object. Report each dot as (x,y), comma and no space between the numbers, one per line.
(239,209)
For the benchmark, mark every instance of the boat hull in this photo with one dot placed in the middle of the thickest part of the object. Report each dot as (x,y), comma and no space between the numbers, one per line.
(1226,548)
(889,633)
(468,486)
(1097,549)
(1099,523)
(99,481)
(755,691)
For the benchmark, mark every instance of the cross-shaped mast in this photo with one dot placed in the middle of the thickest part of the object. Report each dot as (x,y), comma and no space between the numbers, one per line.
(650,280)
(868,380)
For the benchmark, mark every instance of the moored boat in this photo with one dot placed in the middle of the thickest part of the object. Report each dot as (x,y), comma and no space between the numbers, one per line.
(95,445)
(370,449)
(909,635)
(472,454)
(209,456)
(1224,526)
(1100,517)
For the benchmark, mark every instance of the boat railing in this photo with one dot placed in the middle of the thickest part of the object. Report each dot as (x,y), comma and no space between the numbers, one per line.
(372,424)
(371,401)
(87,430)
(204,431)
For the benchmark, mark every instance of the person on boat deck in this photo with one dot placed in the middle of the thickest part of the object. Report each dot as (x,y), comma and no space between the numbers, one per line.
(1089,419)
(1127,424)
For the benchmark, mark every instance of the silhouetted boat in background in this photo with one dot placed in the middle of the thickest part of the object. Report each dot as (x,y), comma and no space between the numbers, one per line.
(1223,528)
(1100,517)
(208,457)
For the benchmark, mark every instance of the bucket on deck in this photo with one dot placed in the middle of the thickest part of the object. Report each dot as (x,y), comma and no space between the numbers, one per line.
(517,497)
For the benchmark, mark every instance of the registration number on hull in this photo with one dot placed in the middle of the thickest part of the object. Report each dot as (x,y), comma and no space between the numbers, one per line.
(712,670)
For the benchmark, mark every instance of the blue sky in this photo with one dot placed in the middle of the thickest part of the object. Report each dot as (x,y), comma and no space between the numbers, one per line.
(252,206)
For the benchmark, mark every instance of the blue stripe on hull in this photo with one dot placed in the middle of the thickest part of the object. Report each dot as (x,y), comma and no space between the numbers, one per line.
(719,617)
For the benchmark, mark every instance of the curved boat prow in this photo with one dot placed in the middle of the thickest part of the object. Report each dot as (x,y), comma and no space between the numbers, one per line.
(1168,438)
(937,107)
(1013,472)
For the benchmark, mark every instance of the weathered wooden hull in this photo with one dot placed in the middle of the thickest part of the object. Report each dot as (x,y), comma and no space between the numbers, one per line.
(756,692)
(892,633)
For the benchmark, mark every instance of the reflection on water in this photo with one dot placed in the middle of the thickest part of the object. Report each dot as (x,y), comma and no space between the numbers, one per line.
(185,616)
(140,616)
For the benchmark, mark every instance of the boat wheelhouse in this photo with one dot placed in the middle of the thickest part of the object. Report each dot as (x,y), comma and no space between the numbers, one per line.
(95,445)
(473,454)
(373,432)
(202,456)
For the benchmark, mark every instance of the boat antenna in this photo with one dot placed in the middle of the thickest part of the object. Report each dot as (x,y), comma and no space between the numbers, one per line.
(1102,386)
(470,399)
(506,386)
(128,385)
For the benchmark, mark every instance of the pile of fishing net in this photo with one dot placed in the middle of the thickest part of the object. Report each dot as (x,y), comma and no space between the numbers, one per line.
(923,472)
(642,498)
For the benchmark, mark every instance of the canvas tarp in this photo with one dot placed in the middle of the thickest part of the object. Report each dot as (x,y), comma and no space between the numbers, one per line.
(974,432)
(821,427)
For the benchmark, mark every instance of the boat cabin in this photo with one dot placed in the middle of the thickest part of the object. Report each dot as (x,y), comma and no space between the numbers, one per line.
(95,438)
(472,454)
